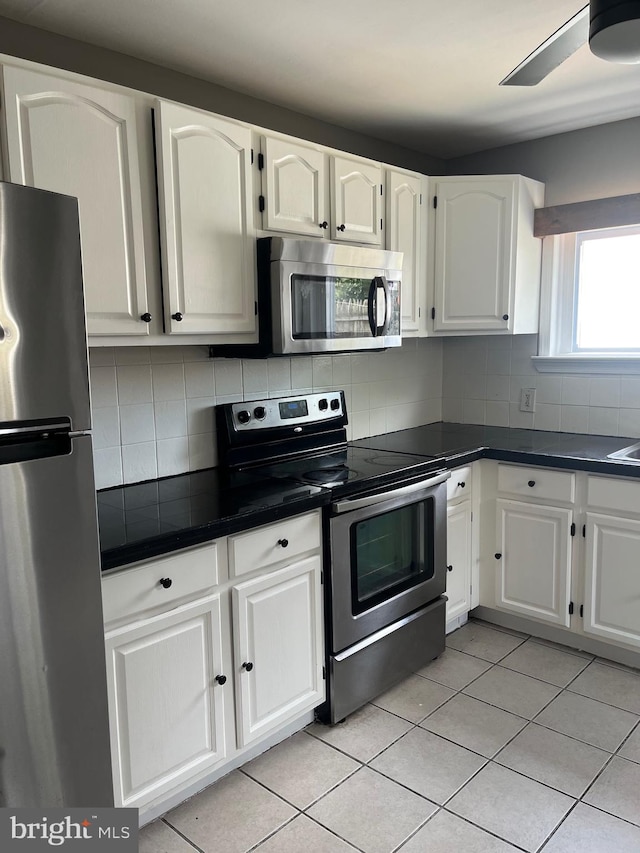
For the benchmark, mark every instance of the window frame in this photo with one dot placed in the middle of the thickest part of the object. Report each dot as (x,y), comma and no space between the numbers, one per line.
(558,313)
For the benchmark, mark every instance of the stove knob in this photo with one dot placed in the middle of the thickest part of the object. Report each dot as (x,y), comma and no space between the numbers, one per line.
(323,405)
(260,413)
(335,405)
(243,416)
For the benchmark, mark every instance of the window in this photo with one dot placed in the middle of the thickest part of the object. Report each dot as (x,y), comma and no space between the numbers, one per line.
(590,317)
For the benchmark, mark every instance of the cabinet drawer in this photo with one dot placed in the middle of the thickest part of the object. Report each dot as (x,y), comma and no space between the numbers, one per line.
(459,484)
(622,495)
(541,483)
(139,589)
(273,543)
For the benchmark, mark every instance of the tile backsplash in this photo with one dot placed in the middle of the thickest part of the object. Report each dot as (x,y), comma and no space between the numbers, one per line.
(483,378)
(153,406)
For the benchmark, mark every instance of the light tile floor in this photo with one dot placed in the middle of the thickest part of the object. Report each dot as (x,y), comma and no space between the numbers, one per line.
(505,743)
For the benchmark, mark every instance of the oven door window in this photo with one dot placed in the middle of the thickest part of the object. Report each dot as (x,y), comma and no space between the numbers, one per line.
(327,307)
(391,553)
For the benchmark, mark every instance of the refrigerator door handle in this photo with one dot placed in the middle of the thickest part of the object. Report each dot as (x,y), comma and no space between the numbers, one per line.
(15,430)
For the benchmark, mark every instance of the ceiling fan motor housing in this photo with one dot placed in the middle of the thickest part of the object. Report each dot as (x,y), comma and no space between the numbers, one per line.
(614,30)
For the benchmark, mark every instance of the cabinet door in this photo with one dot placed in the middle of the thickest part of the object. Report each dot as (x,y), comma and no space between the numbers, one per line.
(82,141)
(474,223)
(406,233)
(295,188)
(458,560)
(278,648)
(206,222)
(612,581)
(533,556)
(356,201)
(165,706)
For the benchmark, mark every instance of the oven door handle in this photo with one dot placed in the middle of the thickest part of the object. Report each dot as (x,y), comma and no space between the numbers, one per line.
(371,500)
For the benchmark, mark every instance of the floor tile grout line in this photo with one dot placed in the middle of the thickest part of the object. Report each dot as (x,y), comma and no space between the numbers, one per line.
(635,729)
(182,835)
(303,809)
(398,849)
(608,704)
(570,650)
(611,814)
(334,833)
(484,829)
(257,845)
(540,849)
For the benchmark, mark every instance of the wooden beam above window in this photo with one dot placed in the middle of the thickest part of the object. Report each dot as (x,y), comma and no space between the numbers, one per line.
(587,215)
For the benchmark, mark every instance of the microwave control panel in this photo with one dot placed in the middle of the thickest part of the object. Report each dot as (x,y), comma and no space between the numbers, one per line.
(287,411)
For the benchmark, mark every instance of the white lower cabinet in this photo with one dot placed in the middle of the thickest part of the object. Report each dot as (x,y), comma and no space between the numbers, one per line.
(612,578)
(165,705)
(176,671)
(534,560)
(461,544)
(575,566)
(458,560)
(277,631)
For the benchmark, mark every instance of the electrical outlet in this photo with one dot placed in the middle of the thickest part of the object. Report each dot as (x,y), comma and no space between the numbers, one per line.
(527,399)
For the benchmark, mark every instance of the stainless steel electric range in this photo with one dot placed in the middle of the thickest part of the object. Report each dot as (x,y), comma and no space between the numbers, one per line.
(385,537)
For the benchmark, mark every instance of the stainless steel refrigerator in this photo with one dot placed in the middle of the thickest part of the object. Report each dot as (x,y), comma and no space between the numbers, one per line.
(54,732)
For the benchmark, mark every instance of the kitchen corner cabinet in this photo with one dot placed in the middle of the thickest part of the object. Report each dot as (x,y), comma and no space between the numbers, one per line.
(406,232)
(314,192)
(89,142)
(486,263)
(210,650)
(534,533)
(459,545)
(206,222)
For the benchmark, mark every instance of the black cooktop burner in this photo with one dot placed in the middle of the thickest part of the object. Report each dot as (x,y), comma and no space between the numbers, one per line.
(327,476)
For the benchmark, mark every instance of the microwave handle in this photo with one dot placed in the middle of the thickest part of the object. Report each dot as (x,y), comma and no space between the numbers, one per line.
(381,281)
(377,283)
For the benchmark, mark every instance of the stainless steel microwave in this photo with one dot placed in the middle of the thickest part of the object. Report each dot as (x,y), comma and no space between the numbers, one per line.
(321,297)
(330,297)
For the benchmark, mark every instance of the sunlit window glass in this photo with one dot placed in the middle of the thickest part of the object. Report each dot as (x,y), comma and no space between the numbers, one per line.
(608,290)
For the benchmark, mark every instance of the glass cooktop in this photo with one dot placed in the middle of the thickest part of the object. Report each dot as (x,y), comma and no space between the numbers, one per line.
(352,469)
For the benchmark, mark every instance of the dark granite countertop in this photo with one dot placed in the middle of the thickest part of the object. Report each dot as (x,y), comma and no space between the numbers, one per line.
(153,518)
(456,444)
(149,519)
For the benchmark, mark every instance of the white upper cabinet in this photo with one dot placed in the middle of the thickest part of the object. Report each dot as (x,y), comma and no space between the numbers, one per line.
(356,200)
(486,259)
(316,192)
(406,232)
(295,187)
(71,138)
(206,222)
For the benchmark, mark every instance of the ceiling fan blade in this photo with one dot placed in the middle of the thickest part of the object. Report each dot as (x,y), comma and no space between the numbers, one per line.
(551,52)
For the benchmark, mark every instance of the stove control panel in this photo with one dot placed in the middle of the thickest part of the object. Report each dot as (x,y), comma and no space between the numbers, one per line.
(287,411)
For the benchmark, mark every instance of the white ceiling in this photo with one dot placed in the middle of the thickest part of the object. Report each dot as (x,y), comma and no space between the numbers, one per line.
(421,73)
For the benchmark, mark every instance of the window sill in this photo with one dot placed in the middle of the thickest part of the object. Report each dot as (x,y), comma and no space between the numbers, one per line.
(586,363)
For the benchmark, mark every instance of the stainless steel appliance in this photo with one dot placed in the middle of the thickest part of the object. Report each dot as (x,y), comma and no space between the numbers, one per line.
(385,531)
(315,296)
(54,732)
